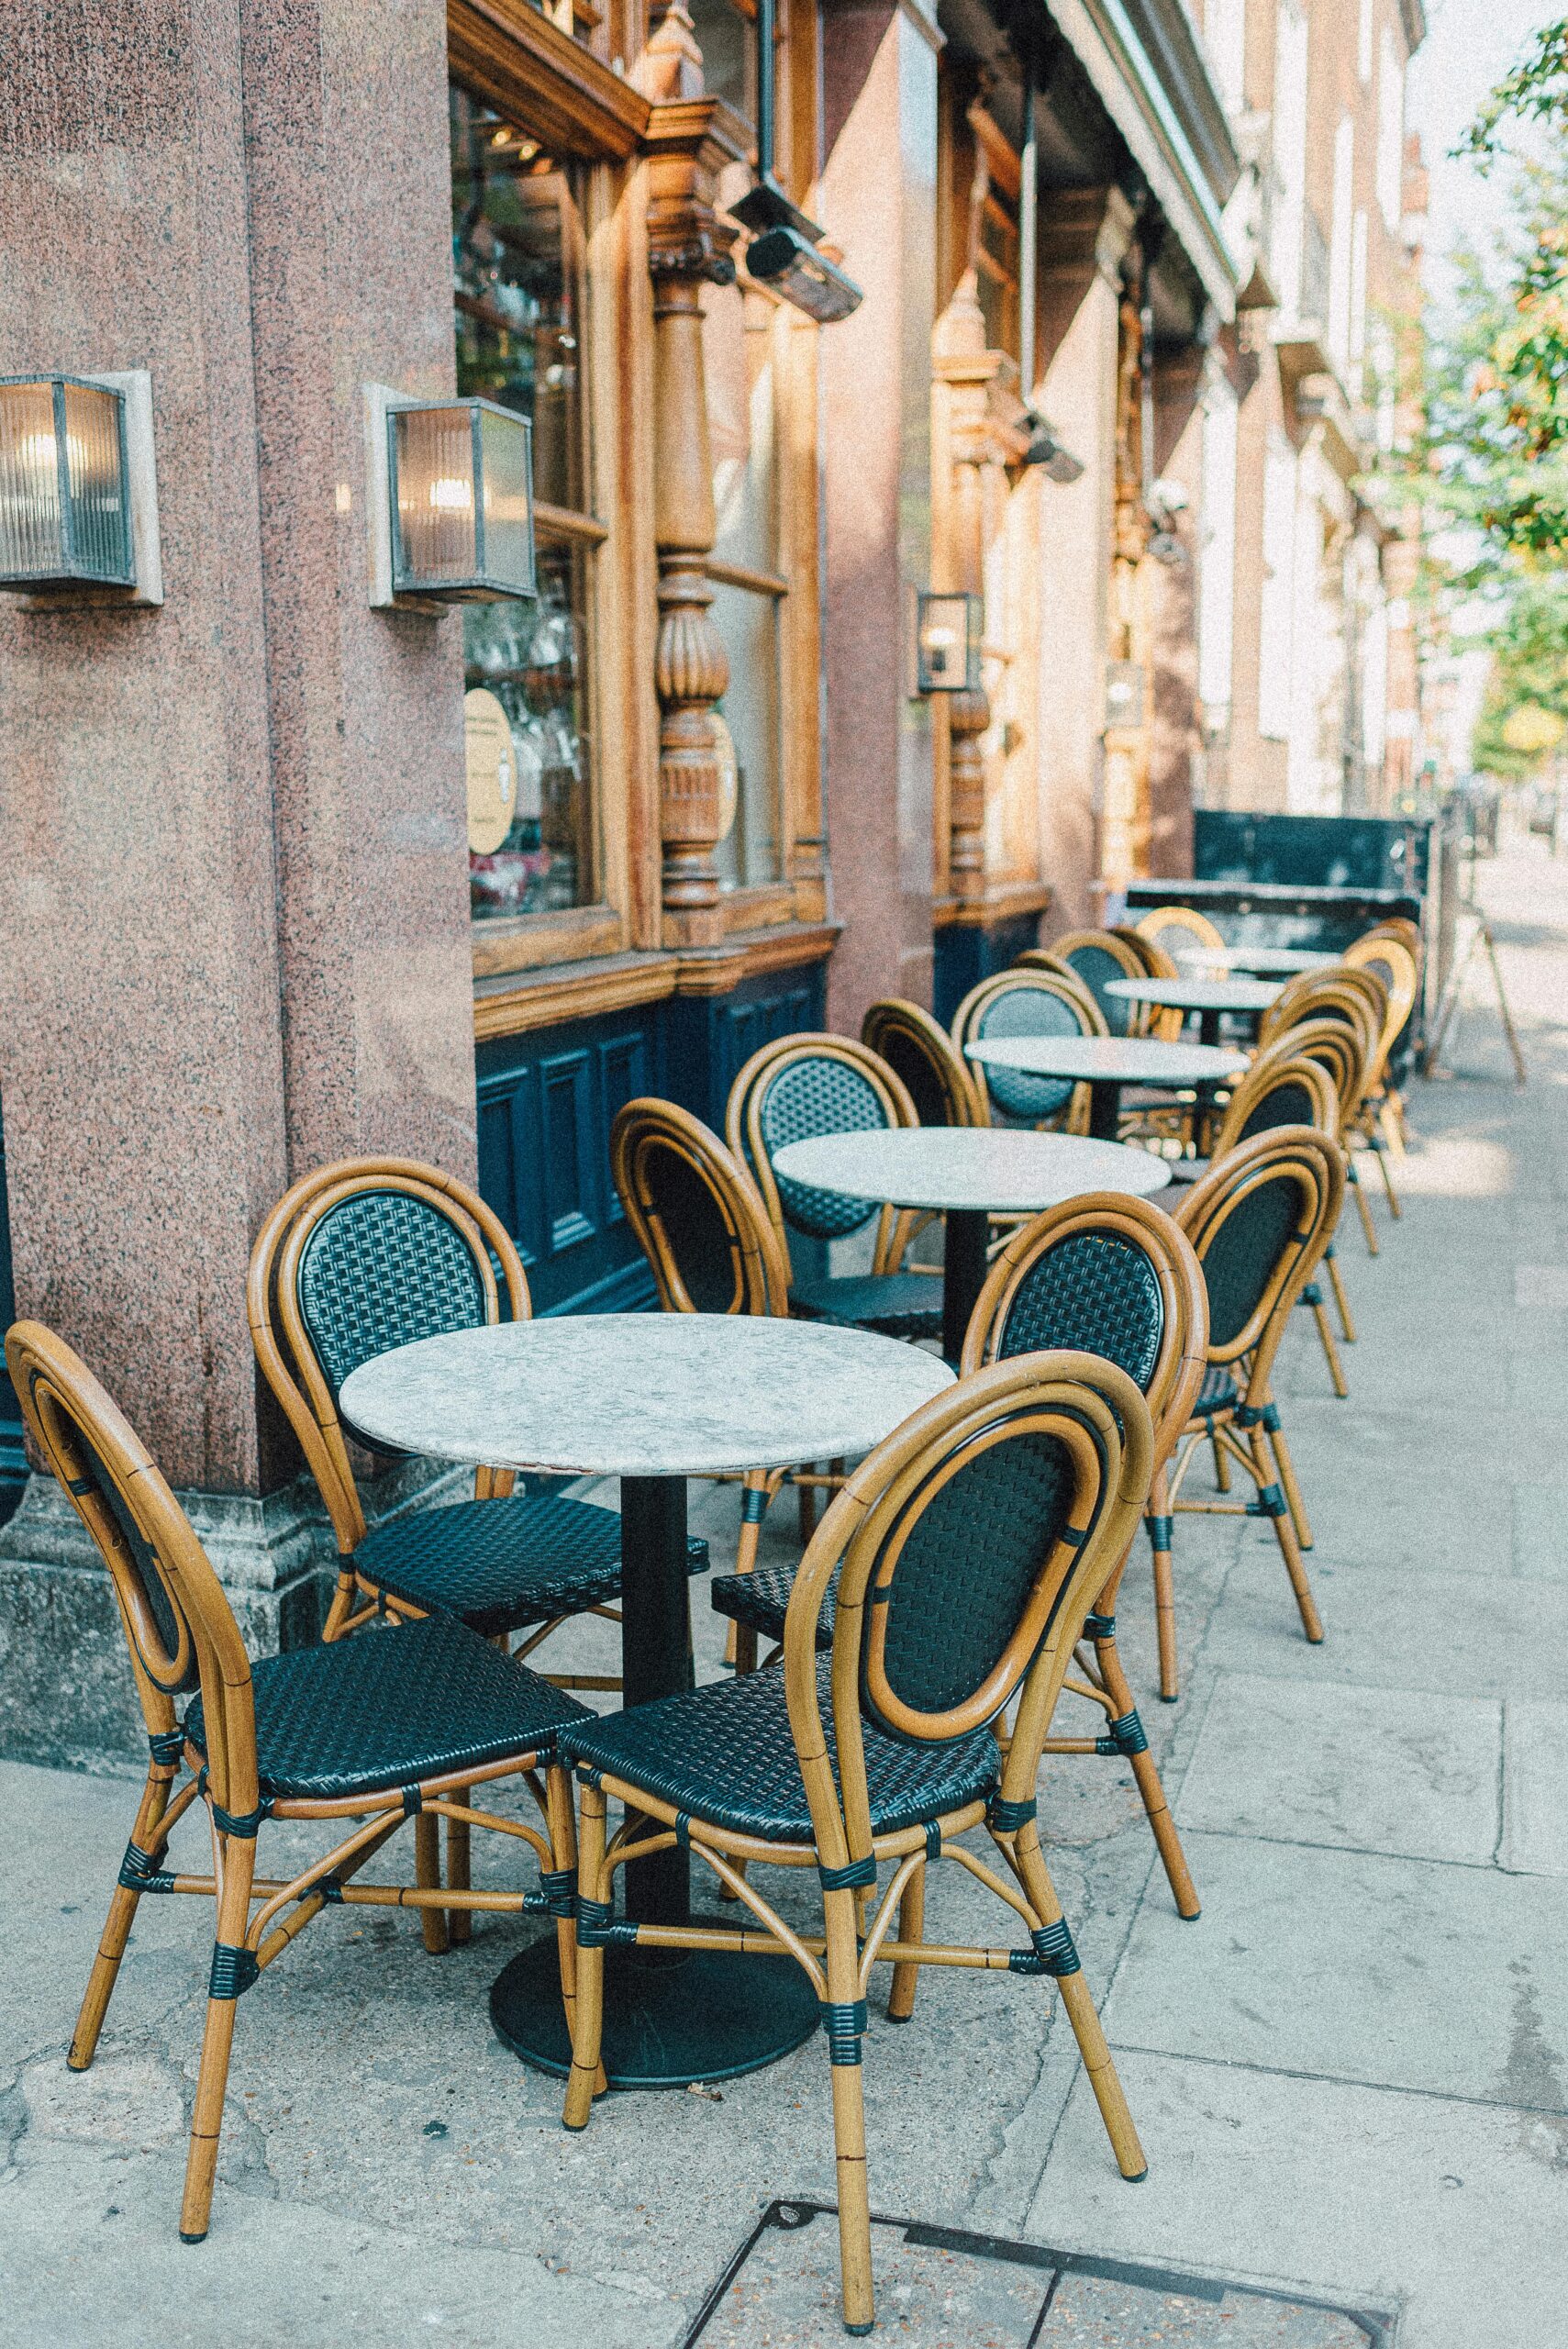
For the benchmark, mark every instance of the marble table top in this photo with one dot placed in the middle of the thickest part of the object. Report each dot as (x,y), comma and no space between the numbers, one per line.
(989,1170)
(1276,961)
(643,1394)
(1197,995)
(1109,1060)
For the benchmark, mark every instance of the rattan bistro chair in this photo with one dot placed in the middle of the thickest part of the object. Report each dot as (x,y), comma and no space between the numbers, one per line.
(1028,1003)
(920,1052)
(369,1255)
(364,1735)
(967,1550)
(1307,1004)
(1258,1221)
(1095,957)
(1182,929)
(810,1085)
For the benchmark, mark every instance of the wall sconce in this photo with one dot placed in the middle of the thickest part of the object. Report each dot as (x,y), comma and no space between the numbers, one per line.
(78,490)
(789,265)
(451,501)
(1124,697)
(947,643)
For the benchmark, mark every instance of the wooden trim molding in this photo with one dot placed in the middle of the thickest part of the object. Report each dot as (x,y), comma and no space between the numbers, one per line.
(1004,901)
(511,1005)
(542,79)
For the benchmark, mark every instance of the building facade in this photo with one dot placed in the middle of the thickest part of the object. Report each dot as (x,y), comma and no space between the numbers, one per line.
(292,872)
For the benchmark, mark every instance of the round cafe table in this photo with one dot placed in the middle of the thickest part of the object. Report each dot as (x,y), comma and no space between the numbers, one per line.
(1105,1064)
(652,1398)
(966,1174)
(1263,961)
(1209,997)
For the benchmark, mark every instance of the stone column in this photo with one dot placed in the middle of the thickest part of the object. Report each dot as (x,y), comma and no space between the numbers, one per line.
(231,832)
(966,371)
(878,199)
(1084,237)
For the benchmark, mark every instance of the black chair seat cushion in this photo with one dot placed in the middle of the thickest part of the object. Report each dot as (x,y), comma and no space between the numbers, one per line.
(500,1564)
(1219,1392)
(761,1600)
(725,1754)
(389,1708)
(900,1305)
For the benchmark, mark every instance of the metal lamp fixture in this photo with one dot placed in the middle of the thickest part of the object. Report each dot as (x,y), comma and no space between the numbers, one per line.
(1046,451)
(78,503)
(784,252)
(460,501)
(947,643)
(1124,697)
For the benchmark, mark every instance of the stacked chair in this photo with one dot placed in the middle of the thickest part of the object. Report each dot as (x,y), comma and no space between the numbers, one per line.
(1028,1002)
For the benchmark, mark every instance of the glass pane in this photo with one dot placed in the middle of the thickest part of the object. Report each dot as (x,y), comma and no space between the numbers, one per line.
(738,330)
(749,853)
(519,288)
(435,495)
(31,545)
(728,40)
(99,539)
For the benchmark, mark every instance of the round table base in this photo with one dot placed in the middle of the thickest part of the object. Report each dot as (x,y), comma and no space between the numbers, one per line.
(671,2015)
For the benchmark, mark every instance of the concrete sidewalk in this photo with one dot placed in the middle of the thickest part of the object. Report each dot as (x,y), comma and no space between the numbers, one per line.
(1351,2075)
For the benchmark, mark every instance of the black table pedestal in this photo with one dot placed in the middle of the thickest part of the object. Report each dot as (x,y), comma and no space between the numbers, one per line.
(1105,1110)
(964,1274)
(671,2015)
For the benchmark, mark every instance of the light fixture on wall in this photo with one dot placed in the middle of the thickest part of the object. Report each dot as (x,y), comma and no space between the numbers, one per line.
(78,491)
(784,251)
(1124,697)
(1052,456)
(947,641)
(451,501)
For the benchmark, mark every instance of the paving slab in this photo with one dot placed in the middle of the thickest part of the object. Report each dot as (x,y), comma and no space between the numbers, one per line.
(1367,1769)
(1535,1789)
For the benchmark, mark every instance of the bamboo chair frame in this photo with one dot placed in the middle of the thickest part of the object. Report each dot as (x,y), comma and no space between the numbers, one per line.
(1103,1423)
(1279,1068)
(1383,1115)
(1336,996)
(1160,920)
(1400,931)
(744,1132)
(1058,956)
(911,1032)
(1315,1164)
(1062,986)
(71,1418)
(1171,1392)
(1154,1019)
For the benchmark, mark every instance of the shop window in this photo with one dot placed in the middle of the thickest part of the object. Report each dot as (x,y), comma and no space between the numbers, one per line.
(742,348)
(997,267)
(518,285)
(727,34)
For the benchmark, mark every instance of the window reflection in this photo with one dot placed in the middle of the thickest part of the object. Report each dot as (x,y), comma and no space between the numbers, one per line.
(517,290)
(739,331)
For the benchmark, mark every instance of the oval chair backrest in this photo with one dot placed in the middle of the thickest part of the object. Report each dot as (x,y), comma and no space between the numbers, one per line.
(1182,933)
(1260,1220)
(1024,1003)
(1095,957)
(1394,964)
(354,1260)
(969,1545)
(798,1088)
(1337,1047)
(1108,1275)
(1285,1087)
(178,1625)
(1321,995)
(701,1226)
(919,1052)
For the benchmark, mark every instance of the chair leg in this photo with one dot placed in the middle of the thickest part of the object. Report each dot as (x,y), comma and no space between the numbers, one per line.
(587,2029)
(1342,1302)
(911,1928)
(459,1921)
(848,2119)
(117,1924)
(1081,2015)
(1362,1210)
(1113,1679)
(342,1607)
(1160,1525)
(1285,1534)
(1292,1489)
(217,2041)
(428,1875)
(1391,1118)
(1221,1463)
(1380,1151)
(1330,1351)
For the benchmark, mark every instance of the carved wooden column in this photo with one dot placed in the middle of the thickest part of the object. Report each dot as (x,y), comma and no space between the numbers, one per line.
(686,246)
(1123,830)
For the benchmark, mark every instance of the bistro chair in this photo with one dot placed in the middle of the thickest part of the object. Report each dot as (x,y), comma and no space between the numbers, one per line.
(1258,1221)
(369,1255)
(365,1735)
(1028,1003)
(1399,966)
(920,1052)
(1150,1019)
(1093,956)
(1317,999)
(706,1236)
(810,1085)
(1182,933)
(966,1551)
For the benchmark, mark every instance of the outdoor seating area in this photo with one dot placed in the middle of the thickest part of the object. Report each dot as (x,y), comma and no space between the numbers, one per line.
(1002,1303)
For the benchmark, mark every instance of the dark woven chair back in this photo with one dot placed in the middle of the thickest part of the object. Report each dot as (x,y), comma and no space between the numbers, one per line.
(1338,1046)
(356,1259)
(919,1051)
(1025,1003)
(701,1227)
(1260,1220)
(1104,1276)
(1285,1087)
(806,1085)
(1096,957)
(969,1548)
(178,1625)
(1322,995)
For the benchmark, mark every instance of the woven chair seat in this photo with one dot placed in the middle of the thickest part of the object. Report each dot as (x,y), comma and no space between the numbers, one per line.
(502,1564)
(899,1304)
(725,1754)
(1219,1392)
(761,1600)
(390,1708)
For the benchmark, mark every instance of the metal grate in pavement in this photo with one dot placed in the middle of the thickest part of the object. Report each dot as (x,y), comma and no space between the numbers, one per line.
(940,2289)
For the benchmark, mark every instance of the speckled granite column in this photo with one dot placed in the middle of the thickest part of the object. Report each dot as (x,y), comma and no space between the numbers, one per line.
(231,868)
